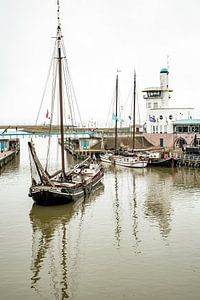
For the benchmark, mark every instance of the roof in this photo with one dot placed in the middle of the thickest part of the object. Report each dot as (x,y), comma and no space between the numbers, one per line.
(187,122)
(164,70)
(152,89)
(172,108)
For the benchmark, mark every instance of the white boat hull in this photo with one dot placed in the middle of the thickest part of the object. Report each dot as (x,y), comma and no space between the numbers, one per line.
(129,162)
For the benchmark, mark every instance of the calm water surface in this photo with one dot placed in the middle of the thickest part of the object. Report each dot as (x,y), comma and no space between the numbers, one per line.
(136,237)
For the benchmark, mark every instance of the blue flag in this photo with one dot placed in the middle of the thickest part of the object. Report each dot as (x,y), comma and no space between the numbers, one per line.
(115,118)
(152,118)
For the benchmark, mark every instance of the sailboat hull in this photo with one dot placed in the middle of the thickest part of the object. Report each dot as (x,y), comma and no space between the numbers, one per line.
(47,195)
(123,161)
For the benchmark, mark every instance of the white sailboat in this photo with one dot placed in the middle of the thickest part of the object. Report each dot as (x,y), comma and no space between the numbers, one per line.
(133,160)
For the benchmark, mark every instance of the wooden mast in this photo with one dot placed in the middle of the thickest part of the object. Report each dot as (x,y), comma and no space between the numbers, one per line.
(134,99)
(59,37)
(116,118)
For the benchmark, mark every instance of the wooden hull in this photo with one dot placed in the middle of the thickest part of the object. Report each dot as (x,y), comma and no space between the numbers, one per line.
(47,195)
(165,162)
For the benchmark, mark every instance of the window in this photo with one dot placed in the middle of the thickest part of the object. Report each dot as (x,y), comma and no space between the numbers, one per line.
(170,117)
(161,117)
(179,129)
(149,105)
(161,142)
(160,128)
(155,105)
(194,129)
(165,128)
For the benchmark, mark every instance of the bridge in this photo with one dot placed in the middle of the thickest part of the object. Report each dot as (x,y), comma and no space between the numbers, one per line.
(18,130)
(43,130)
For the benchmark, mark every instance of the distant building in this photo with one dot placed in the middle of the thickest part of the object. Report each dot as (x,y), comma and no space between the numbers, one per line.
(187,132)
(161,117)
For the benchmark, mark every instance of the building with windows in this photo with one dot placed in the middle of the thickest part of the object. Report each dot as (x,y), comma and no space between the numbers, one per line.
(187,132)
(161,116)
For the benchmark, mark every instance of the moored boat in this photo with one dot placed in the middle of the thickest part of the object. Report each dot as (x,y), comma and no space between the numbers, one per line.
(62,186)
(160,159)
(56,189)
(124,161)
(133,160)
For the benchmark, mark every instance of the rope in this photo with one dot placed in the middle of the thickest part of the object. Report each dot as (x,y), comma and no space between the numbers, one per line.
(71,83)
(44,92)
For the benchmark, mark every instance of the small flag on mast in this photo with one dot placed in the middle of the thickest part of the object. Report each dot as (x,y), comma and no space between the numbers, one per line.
(47,115)
(115,118)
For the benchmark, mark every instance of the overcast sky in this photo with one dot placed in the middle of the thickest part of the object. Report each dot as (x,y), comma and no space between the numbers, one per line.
(100,36)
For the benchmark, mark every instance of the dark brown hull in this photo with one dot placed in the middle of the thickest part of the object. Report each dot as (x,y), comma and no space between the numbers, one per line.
(47,196)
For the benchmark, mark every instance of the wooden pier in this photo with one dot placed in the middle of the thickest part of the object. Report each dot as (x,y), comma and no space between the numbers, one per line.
(73,147)
(6,157)
(188,160)
(9,150)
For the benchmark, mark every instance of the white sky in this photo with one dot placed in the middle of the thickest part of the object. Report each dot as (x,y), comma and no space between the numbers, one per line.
(100,36)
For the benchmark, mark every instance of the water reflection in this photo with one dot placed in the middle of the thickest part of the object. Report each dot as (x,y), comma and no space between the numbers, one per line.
(125,206)
(116,207)
(163,186)
(187,178)
(52,240)
(134,213)
(157,205)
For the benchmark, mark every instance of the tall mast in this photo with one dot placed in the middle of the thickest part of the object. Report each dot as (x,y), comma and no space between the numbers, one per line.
(116,118)
(134,99)
(59,37)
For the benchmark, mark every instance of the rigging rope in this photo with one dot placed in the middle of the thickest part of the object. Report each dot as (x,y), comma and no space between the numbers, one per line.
(55,67)
(45,88)
(71,83)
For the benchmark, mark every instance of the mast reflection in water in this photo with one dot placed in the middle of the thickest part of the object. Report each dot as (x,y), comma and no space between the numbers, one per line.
(124,197)
(52,245)
(157,206)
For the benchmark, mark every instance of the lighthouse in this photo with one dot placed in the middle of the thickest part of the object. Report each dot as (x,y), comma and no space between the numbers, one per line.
(158,97)
(160,116)
(164,86)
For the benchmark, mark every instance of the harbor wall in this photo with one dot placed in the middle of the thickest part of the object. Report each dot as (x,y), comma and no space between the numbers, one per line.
(7,156)
(160,140)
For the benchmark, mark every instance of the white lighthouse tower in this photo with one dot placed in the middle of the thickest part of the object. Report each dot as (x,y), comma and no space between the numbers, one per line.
(164,87)
(158,97)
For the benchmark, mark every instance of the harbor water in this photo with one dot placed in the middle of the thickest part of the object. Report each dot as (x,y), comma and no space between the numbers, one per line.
(136,237)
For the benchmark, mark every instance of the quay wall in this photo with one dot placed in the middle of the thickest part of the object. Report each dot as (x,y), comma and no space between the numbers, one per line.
(154,139)
(7,156)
